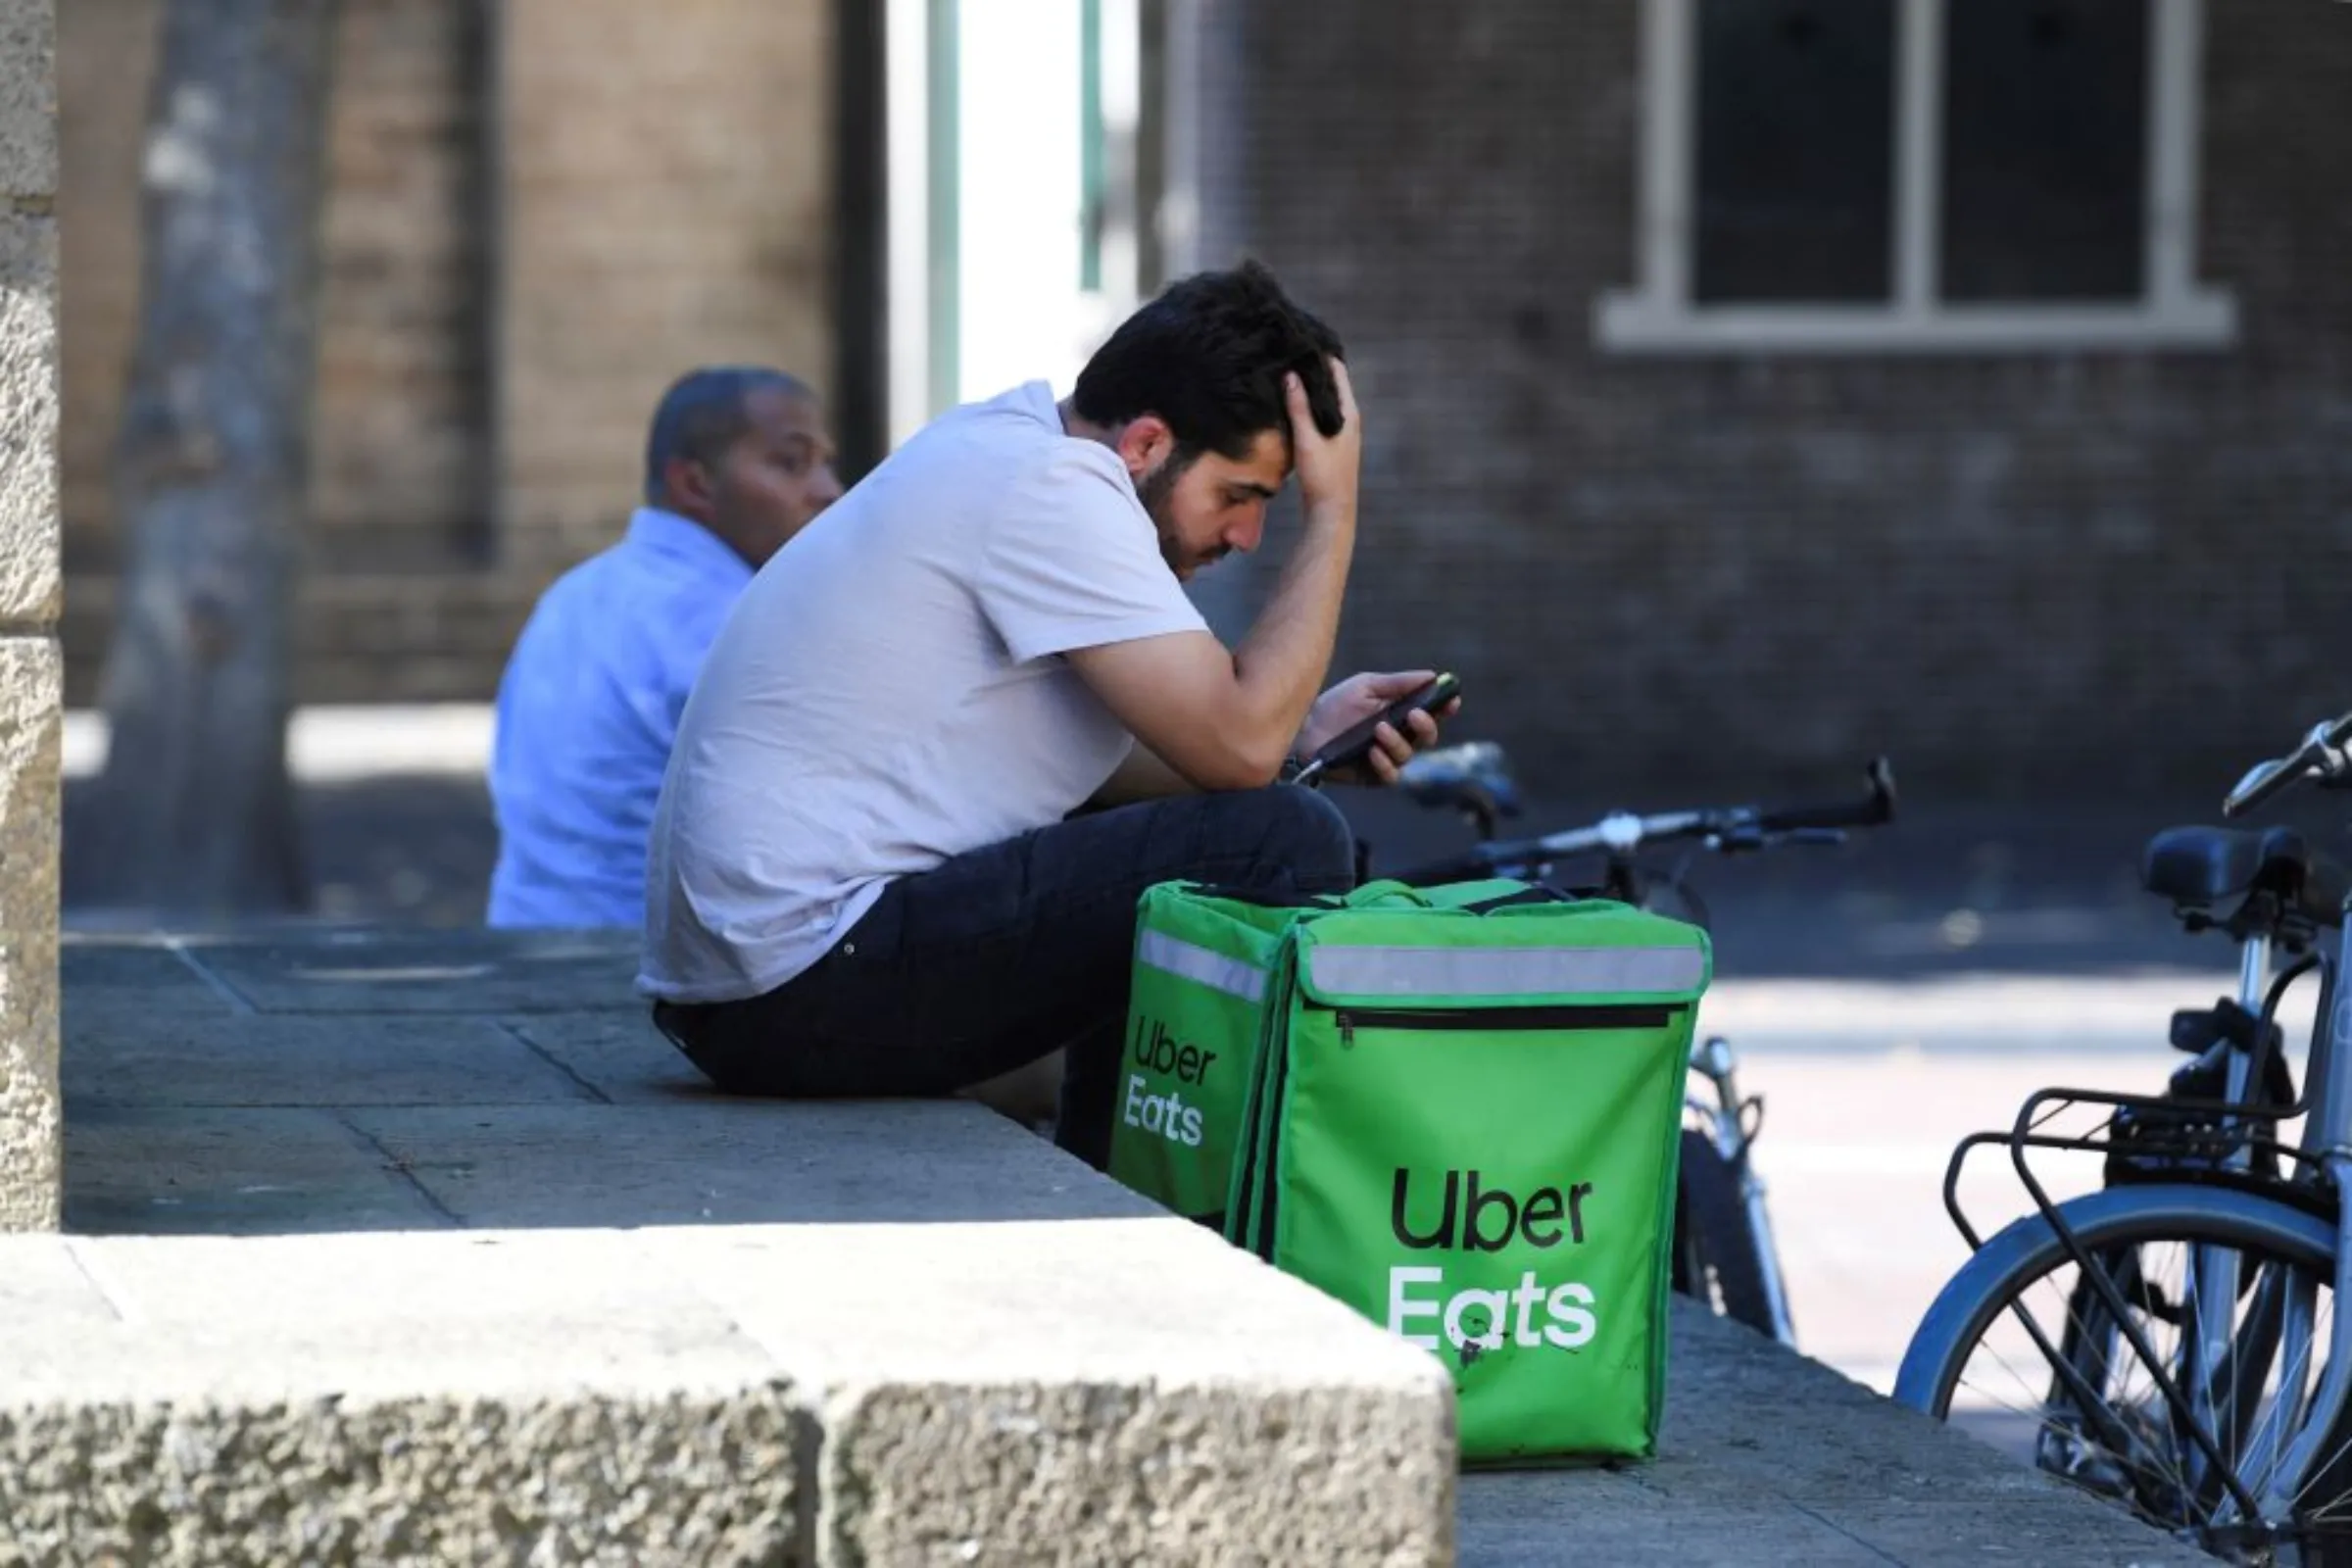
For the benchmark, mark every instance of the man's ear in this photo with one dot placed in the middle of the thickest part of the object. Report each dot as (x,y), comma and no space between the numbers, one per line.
(1145,443)
(686,483)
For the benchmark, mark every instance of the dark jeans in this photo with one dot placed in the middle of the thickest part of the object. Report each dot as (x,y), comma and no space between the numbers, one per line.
(1005,954)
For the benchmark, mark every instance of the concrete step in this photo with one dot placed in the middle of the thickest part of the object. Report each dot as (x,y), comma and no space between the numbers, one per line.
(970,1349)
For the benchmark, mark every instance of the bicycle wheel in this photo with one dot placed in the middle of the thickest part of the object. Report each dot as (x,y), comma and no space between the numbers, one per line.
(1717,1258)
(2103,1424)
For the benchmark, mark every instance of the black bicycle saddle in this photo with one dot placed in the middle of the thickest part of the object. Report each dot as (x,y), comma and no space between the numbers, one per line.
(2204,865)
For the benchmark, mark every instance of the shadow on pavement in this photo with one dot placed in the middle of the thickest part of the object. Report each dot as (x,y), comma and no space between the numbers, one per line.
(1946,888)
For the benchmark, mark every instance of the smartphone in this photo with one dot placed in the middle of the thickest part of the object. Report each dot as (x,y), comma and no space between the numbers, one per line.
(1346,750)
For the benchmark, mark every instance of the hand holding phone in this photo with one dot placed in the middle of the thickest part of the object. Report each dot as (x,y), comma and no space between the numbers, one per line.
(1355,744)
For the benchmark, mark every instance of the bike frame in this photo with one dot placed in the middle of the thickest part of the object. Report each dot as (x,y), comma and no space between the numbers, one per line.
(1728,1130)
(2326,1138)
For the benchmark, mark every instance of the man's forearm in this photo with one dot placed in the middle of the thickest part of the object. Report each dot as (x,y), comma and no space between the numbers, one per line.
(1282,661)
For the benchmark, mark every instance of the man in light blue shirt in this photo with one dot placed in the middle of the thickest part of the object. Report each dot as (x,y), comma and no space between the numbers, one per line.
(738,461)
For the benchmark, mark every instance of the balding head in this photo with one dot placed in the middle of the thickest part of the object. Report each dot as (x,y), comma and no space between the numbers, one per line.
(744,451)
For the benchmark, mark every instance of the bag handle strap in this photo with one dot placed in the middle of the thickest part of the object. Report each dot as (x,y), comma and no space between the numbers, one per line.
(1269,898)
(1387,890)
(1533,892)
(1536,896)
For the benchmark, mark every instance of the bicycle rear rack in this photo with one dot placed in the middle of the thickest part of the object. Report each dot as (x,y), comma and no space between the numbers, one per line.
(2150,1138)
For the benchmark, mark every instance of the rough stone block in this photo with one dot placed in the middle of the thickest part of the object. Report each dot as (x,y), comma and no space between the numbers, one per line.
(1061,1392)
(30,591)
(28,98)
(29,742)
(560,1479)
(419,1398)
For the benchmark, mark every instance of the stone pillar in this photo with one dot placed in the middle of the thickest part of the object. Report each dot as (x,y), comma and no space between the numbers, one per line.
(30,695)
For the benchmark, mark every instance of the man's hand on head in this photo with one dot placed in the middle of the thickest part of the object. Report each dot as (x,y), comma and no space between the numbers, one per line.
(1327,465)
(1359,698)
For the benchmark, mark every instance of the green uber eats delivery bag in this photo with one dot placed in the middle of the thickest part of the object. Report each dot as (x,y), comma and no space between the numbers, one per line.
(1204,961)
(1461,1118)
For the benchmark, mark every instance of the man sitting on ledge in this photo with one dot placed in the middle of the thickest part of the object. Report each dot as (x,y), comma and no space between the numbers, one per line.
(870,872)
(736,463)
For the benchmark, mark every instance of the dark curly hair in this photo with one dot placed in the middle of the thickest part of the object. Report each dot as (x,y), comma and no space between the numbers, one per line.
(1208,357)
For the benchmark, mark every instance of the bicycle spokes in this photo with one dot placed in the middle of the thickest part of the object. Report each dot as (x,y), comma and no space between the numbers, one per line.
(2156,1407)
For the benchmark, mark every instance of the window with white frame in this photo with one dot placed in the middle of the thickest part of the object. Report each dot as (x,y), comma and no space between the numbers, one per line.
(1878,175)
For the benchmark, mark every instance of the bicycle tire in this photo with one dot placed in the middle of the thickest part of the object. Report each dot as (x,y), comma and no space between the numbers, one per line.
(2025,1251)
(1713,1243)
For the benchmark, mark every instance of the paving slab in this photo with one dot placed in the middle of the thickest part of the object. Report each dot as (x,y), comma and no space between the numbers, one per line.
(166,1172)
(428,971)
(1766,1456)
(1543,1519)
(616,1053)
(196,1061)
(89,965)
(2036,1531)
(738,1163)
(114,993)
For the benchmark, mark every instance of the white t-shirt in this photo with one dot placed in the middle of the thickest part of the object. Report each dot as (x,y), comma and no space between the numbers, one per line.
(888,693)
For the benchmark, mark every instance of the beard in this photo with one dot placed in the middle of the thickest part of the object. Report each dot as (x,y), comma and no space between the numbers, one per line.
(1156,490)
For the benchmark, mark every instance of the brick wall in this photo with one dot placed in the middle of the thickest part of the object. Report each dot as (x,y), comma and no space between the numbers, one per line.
(662,197)
(2047,572)
(668,200)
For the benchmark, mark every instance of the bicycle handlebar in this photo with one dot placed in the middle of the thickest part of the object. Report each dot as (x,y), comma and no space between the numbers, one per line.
(2321,756)
(1725,827)
(1879,808)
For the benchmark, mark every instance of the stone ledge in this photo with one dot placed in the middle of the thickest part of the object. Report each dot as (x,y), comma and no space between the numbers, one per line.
(27,97)
(31,583)
(862,1382)
(30,1099)
(569,1478)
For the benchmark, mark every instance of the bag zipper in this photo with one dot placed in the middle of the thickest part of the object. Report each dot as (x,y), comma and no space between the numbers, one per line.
(1457,1019)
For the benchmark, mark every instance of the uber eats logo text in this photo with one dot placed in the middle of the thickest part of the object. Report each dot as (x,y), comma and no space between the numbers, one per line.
(1167,1114)
(1468,1216)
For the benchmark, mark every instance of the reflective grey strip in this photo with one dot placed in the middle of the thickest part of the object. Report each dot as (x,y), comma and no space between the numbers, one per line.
(1503,971)
(1191,962)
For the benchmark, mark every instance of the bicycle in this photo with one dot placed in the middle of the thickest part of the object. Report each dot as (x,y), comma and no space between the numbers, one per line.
(1723,1249)
(2238,1436)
